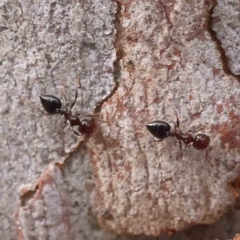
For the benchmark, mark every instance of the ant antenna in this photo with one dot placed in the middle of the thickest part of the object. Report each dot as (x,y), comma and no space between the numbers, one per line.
(200,128)
(177,121)
(76,95)
(206,156)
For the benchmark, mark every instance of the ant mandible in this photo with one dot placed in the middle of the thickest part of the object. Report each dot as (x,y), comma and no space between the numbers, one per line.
(162,130)
(53,105)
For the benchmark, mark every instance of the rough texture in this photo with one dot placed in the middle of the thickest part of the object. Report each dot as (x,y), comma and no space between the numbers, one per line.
(226,17)
(79,221)
(170,62)
(169,59)
(47,47)
(45,224)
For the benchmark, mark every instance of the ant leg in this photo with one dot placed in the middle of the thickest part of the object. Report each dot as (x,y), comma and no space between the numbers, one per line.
(76,95)
(66,101)
(180,147)
(100,120)
(214,136)
(200,128)
(196,129)
(207,158)
(96,115)
(160,140)
(76,133)
(177,124)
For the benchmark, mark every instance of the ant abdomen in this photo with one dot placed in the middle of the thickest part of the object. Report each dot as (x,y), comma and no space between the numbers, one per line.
(159,129)
(53,105)
(50,103)
(201,141)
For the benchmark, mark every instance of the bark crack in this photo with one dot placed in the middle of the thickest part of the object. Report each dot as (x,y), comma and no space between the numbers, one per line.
(28,196)
(166,15)
(119,54)
(116,73)
(213,34)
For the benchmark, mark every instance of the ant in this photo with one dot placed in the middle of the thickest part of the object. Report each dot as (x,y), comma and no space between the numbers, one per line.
(53,105)
(162,130)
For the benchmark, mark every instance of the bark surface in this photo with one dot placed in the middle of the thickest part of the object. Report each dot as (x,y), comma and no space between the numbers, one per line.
(134,62)
(171,63)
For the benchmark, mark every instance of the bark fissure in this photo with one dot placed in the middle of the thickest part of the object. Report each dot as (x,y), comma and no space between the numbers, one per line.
(167,15)
(28,196)
(119,55)
(213,34)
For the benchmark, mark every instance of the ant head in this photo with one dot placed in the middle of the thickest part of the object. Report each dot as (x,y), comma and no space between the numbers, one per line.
(201,141)
(50,103)
(87,125)
(159,129)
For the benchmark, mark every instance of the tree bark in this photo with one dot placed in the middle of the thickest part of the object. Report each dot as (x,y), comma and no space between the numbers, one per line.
(171,63)
(133,62)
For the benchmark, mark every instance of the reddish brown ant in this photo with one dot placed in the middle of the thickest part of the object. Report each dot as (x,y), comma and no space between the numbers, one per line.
(53,105)
(162,130)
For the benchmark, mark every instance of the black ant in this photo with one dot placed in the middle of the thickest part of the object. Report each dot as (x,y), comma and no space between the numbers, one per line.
(162,130)
(53,105)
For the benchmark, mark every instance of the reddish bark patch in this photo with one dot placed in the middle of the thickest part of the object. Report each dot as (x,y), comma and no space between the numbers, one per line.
(216,71)
(128,168)
(219,108)
(196,115)
(163,186)
(131,39)
(230,135)
(149,196)
(157,99)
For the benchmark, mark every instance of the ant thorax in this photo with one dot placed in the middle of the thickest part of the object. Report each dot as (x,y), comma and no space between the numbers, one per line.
(187,138)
